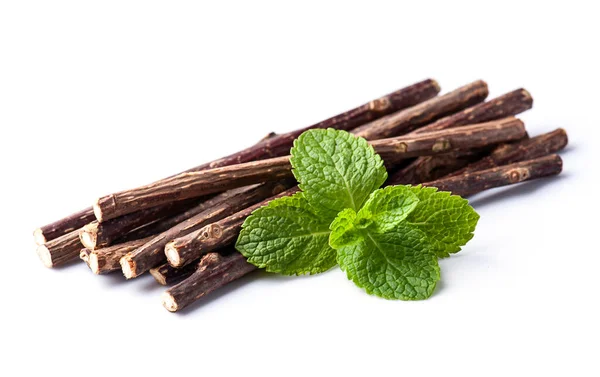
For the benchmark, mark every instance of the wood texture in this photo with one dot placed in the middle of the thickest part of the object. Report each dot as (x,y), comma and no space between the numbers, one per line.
(63,226)
(429,168)
(105,260)
(506,105)
(195,184)
(279,145)
(167,275)
(472,183)
(214,271)
(98,235)
(61,250)
(214,236)
(407,120)
(151,253)
(541,145)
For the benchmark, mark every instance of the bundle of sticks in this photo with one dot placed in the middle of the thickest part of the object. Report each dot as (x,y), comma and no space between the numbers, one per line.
(182,229)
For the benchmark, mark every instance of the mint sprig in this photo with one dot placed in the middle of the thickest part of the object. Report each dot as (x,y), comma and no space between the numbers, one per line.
(388,240)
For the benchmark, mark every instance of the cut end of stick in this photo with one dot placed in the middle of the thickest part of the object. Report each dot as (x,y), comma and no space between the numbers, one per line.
(172,255)
(38,236)
(436,85)
(88,236)
(97,211)
(160,279)
(45,257)
(93,263)
(169,302)
(128,267)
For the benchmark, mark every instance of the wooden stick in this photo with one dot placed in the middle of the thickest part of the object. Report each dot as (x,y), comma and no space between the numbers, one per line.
(472,183)
(434,167)
(407,120)
(428,168)
(167,275)
(541,145)
(98,235)
(214,271)
(61,250)
(204,182)
(184,250)
(105,260)
(63,226)
(280,144)
(509,104)
(151,253)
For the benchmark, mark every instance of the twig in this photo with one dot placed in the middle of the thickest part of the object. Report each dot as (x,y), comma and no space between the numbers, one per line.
(407,120)
(105,260)
(61,250)
(204,182)
(151,253)
(472,183)
(167,275)
(214,271)
(63,226)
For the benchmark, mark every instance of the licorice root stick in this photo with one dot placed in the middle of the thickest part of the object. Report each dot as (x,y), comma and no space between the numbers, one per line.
(205,182)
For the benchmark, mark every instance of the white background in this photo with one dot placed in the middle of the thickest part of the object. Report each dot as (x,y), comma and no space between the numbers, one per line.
(96,97)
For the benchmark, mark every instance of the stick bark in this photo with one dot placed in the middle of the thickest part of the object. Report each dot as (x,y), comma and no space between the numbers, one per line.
(151,253)
(472,183)
(407,120)
(538,146)
(195,184)
(61,250)
(105,260)
(506,105)
(214,271)
(167,275)
(280,145)
(99,235)
(63,226)
(184,250)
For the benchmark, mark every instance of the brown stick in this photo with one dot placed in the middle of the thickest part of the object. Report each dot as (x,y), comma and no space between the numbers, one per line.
(429,168)
(214,271)
(541,145)
(61,250)
(63,226)
(194,184)
(472,183)
(184,250)
(280,144)
(152,254)
(105,260)
(509,104)
(167,275)
(407,120)
(99,235)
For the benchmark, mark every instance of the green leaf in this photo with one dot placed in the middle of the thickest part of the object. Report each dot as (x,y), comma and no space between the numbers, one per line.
(336,170)
(396,264)
(287,237)
(447,220)
(388,207)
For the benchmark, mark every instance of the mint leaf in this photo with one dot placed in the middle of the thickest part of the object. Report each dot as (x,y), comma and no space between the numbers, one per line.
(447,220)
(336,170)
(395,265)
(287,237)
(388,207)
